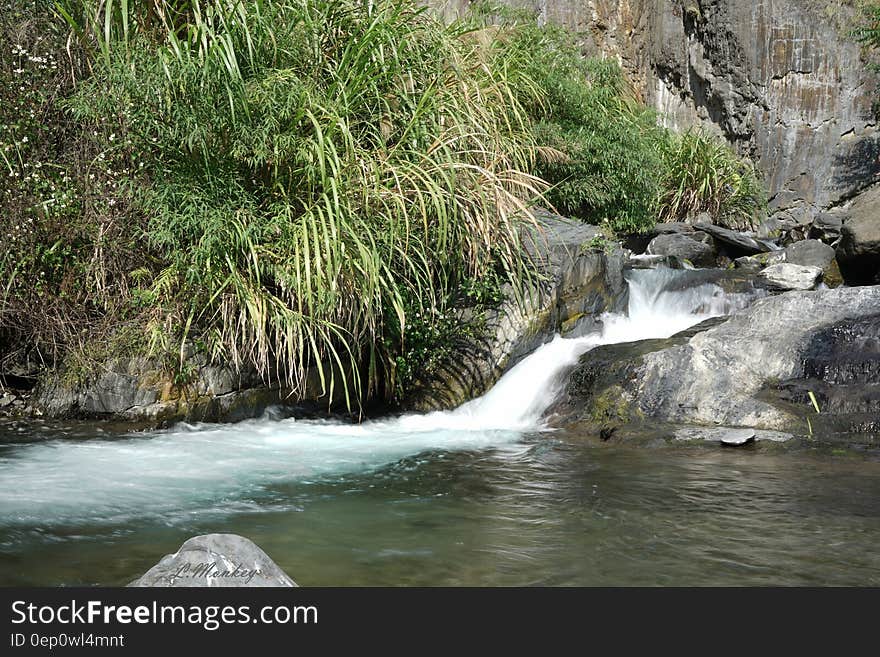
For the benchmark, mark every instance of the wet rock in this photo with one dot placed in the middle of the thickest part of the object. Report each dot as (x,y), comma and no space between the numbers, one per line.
(842,374)
(786,276)
(655,261)
(684,247)
(216,560)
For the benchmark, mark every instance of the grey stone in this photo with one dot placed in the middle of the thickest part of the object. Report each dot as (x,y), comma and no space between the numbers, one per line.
(810,253)
(858,251)
(684,247)
(730,435)
(216,560)
(739,241)
(826,227)
(715,375)
(786,276)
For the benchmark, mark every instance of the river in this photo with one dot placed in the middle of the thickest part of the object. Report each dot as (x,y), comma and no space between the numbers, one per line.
(485,494)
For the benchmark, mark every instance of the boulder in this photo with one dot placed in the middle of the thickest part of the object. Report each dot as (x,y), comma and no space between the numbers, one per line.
(684,247)
(216,560)
(716,373)
(858,251)
(826,227)
(739,243)
(810,253)
(786,276)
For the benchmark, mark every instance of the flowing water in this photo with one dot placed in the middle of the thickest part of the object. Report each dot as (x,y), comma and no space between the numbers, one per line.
(484,494)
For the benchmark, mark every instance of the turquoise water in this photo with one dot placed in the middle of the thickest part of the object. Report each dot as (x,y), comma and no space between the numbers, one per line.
(545,509)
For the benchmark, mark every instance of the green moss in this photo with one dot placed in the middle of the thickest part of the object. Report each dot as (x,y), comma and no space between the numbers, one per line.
(611,406)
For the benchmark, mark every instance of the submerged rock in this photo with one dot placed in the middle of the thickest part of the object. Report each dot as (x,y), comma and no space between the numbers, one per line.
(786,276)
(216,560)
(715,373)
(730,436)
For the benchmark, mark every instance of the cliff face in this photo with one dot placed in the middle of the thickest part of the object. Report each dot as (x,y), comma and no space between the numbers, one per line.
(780,79)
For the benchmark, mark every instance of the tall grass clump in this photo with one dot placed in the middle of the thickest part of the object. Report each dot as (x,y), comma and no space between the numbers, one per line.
(701,173)
(582,109)
(313,172)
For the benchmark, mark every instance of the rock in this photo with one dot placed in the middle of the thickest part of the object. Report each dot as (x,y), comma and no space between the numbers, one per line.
(684,247)
(739,242)
(758,262)
(716,374)
(842,373)
(786,276)
(216,560)
(738,437)
(809,253)
(654,261)
(826,227)
(858,251)
(730,436)
(770,228)
(140,389)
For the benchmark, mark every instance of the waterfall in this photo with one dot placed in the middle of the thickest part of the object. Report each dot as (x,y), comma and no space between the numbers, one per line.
(200,470)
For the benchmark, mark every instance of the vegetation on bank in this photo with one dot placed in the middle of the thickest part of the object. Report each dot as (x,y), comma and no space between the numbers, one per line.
(289,184)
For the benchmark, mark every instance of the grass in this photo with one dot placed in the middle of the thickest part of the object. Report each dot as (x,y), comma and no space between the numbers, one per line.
(307,166)
(603,144)
(701,173)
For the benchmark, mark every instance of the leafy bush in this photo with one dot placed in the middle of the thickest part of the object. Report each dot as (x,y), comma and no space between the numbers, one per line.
(701,173)
(67,241)
(600,144)
(308,165)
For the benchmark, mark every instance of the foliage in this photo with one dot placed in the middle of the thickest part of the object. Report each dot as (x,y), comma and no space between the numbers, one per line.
(67,241)
(701,173)
(869,30)
(305,182)
(603,143)
(308,166)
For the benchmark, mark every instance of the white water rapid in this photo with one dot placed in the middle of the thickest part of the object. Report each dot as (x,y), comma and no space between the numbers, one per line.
(191,472)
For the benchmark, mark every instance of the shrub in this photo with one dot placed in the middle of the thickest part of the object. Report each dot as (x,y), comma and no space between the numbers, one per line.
(309,165)
(601,144)
(701,173)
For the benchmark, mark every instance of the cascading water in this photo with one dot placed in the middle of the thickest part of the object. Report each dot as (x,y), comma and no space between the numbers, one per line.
(200,470)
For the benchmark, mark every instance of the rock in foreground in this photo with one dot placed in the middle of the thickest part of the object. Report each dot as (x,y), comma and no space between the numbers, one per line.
(216,560)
